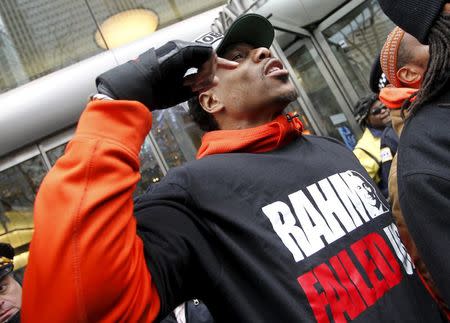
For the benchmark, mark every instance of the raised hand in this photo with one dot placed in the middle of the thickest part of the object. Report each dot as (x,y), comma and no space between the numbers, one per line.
(156,77)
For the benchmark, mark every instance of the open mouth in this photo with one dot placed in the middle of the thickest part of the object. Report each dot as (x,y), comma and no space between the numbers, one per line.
(274,67)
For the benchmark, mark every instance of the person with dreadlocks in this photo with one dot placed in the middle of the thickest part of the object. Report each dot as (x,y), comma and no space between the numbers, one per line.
(373,117)
(389,138)
(424,148)
(404,61)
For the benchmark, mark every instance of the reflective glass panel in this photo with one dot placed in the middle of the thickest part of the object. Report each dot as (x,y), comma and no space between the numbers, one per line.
(38,37)
(356,39)
(150,170)
(167,11)
(41,36)
(55,153)
(18,188)
(176,134)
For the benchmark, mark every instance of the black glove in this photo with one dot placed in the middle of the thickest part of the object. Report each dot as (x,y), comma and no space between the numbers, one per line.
(155,78)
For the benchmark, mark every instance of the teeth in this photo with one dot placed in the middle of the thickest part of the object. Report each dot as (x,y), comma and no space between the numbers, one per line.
(273,69)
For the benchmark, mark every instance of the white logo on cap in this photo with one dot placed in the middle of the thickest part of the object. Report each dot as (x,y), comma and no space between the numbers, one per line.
(209,38)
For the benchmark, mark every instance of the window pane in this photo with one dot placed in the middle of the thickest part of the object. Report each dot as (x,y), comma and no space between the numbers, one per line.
(55,153)
(150,170)
(315,86)
(39,36)
(168,11)
(18,188)
(310,73)
(176,134)
(357,39)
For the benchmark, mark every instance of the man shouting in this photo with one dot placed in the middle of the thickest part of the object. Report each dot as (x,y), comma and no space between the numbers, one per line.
(266,226)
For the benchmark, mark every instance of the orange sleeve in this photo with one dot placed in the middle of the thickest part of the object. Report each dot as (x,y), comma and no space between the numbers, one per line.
(86,262)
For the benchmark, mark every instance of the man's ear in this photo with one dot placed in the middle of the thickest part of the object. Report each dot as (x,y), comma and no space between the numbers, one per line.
(447,8)
(209,102)
(409,75)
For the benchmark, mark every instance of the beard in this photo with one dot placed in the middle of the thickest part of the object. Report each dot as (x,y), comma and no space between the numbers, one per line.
(282,101)
(288,97)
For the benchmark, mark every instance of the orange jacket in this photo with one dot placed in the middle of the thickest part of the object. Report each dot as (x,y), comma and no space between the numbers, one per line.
(85,207)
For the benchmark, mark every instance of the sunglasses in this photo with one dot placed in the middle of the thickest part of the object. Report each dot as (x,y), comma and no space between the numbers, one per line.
(378,110)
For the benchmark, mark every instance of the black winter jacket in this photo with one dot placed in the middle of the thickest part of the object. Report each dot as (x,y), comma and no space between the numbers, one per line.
(424,186)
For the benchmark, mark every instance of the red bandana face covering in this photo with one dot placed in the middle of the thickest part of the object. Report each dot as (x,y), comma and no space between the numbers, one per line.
(270,136)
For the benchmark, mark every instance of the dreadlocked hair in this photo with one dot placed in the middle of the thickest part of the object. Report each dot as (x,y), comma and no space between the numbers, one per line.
(362,108)
(438,72)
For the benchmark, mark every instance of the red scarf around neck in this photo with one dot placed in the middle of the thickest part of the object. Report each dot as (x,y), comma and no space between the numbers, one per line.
(394,97)
(267,137)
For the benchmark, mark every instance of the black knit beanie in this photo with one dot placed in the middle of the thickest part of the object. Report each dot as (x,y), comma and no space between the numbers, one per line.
(416,17)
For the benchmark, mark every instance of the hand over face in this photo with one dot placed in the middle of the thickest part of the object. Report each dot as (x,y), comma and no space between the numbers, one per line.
(205,78)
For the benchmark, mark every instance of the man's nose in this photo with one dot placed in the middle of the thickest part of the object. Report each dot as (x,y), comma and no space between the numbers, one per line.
(260,54)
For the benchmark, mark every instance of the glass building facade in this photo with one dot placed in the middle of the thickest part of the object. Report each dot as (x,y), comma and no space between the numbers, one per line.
(329,63)
(356,39)
(38,37)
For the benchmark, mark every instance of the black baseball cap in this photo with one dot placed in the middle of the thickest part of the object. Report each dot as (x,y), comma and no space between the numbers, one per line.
(249,28)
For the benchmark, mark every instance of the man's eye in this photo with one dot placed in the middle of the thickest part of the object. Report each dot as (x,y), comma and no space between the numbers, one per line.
(3,288)
(237,57)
